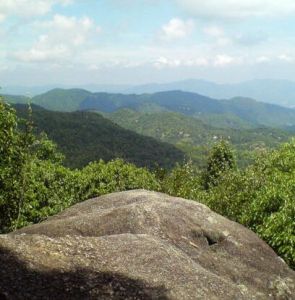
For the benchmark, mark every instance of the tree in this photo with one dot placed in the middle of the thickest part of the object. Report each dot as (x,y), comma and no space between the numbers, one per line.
(12,155)
(220,160)
(21,154)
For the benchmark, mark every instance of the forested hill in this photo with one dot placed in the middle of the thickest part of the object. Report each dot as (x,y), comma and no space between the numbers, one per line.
(195,137)
(177,128)
(62,100)
(87,136)
(245,110)
(241,112)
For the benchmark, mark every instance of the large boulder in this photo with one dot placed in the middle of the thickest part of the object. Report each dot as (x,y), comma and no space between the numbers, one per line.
(140,245)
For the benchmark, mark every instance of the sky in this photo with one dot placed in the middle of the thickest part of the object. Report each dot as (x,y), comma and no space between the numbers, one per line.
(79,42)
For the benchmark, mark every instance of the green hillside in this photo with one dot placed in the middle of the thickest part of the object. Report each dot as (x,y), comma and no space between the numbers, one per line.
(14,99)
(84,137)
(61,99)
(225,120)
(260,113)
(193,136)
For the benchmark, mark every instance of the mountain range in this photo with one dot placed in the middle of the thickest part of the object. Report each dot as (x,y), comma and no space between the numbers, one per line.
(237,112)
(280,92)
(275,91)
(138,128)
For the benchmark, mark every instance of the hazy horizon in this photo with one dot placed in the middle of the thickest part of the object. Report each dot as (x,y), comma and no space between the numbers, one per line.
(133,84)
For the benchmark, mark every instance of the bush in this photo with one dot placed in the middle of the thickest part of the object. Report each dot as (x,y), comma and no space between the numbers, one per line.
(183,181)
(100,178)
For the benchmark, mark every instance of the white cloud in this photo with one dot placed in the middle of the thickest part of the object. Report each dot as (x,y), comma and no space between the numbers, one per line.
(263,59)
(39,54)
(214,31)
(164,62)
(285,58)
(222,60)
(176,29)
(239,9)
(251,39)
(69,30)
(64,36)
(222,38)
(27,8)
(218,35)
(197,62)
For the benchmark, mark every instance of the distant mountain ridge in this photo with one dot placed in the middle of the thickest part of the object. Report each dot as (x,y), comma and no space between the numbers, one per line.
(238,110)
(275,91)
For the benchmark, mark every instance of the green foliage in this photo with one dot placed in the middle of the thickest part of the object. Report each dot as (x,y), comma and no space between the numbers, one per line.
(49,189)
(32,183)
(100,178)
(15,159)
(183,181)
(220,160)
(272,211)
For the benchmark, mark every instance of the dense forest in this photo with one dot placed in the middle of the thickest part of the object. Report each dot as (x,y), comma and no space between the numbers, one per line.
(194,137)
(35,183)
(85,136)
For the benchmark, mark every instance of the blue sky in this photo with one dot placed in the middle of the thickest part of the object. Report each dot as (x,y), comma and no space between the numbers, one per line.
(75,42)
